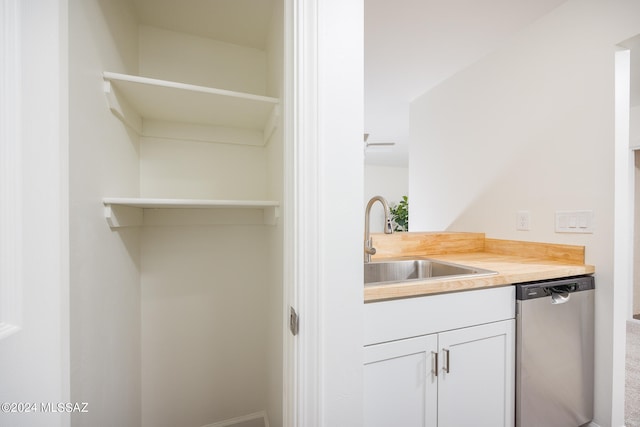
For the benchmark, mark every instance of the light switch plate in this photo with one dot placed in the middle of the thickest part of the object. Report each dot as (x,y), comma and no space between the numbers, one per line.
(574,221)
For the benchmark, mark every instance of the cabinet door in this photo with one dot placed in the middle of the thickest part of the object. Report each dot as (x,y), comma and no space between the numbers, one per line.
(400,388)
(478,389)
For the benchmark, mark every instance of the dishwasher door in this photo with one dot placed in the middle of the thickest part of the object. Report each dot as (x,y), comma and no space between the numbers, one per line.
(554,353)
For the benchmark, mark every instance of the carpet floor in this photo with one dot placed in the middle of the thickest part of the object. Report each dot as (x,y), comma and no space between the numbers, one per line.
(632,377)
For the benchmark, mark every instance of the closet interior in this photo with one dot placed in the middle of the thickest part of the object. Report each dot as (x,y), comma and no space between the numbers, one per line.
(176,188)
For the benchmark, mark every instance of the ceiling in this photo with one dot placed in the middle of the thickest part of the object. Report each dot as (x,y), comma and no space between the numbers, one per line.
(413,45)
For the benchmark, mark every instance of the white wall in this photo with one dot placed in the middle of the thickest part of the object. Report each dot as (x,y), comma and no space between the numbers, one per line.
(103,161)
(34,360)
(389,182)
(530,127)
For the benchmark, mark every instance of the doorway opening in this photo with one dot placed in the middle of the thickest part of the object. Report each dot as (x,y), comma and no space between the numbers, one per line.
(633,45)
(627,235)
(635,291)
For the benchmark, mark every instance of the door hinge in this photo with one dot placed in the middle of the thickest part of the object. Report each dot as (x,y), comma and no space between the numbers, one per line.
(294,321)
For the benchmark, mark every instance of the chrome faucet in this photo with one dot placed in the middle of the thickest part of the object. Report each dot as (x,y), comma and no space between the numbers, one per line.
(388,228)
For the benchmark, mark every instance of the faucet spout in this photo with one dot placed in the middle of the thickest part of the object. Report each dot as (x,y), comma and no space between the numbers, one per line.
(388,227)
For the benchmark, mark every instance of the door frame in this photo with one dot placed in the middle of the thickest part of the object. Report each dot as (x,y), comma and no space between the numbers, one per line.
(623,228)
(324,77)
(301,406)
(10,172)
(34,349)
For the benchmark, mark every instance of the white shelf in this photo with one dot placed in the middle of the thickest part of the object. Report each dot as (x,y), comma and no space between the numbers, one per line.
(127,212)
(136,99)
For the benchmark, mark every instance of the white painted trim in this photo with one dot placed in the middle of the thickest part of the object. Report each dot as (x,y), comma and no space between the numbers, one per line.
(63,197)
(241,419)
(303,233)
(290,397)
(623,231)
(10,170)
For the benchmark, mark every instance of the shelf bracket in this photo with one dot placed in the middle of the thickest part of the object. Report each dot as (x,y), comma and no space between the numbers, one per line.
(121,108)
(123,216)
(272,123)
(271,215)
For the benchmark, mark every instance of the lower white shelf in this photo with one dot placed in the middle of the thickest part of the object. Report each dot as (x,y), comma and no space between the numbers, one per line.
(129,212)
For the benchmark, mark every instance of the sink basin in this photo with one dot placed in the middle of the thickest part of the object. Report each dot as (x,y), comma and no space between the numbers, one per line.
(376,273)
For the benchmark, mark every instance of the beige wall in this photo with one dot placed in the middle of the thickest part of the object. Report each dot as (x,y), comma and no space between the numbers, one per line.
(276,165)
(210,294)
(531,127)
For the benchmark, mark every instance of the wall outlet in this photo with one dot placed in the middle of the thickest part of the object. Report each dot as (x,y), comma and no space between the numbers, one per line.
(523,220)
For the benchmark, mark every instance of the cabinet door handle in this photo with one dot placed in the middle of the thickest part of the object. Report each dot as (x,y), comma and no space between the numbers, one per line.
(446,360)
(434,357)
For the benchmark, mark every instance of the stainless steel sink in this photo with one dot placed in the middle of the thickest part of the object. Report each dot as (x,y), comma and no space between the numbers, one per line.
(376,273)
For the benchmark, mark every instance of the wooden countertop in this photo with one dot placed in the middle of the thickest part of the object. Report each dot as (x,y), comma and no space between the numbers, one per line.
(514,261)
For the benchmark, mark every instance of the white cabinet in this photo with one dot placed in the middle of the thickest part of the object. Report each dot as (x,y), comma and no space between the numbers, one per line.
(400,388)
(447,377)
(457,378)
(477,377)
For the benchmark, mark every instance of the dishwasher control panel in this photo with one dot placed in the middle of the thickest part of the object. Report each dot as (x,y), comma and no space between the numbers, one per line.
(526,291)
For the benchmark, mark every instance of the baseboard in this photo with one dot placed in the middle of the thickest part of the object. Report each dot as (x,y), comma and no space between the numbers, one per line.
(231,422)
(592,424)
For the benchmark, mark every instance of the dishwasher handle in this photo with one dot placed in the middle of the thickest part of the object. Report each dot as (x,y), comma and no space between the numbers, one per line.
(560,297)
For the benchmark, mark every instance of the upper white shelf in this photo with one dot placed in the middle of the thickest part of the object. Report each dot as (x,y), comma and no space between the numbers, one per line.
(138,98)
(123,212)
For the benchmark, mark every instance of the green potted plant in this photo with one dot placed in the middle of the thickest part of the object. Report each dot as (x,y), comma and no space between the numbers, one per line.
(400,215)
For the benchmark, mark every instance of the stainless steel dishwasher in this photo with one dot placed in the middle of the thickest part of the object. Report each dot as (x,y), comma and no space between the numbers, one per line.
(554,352)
